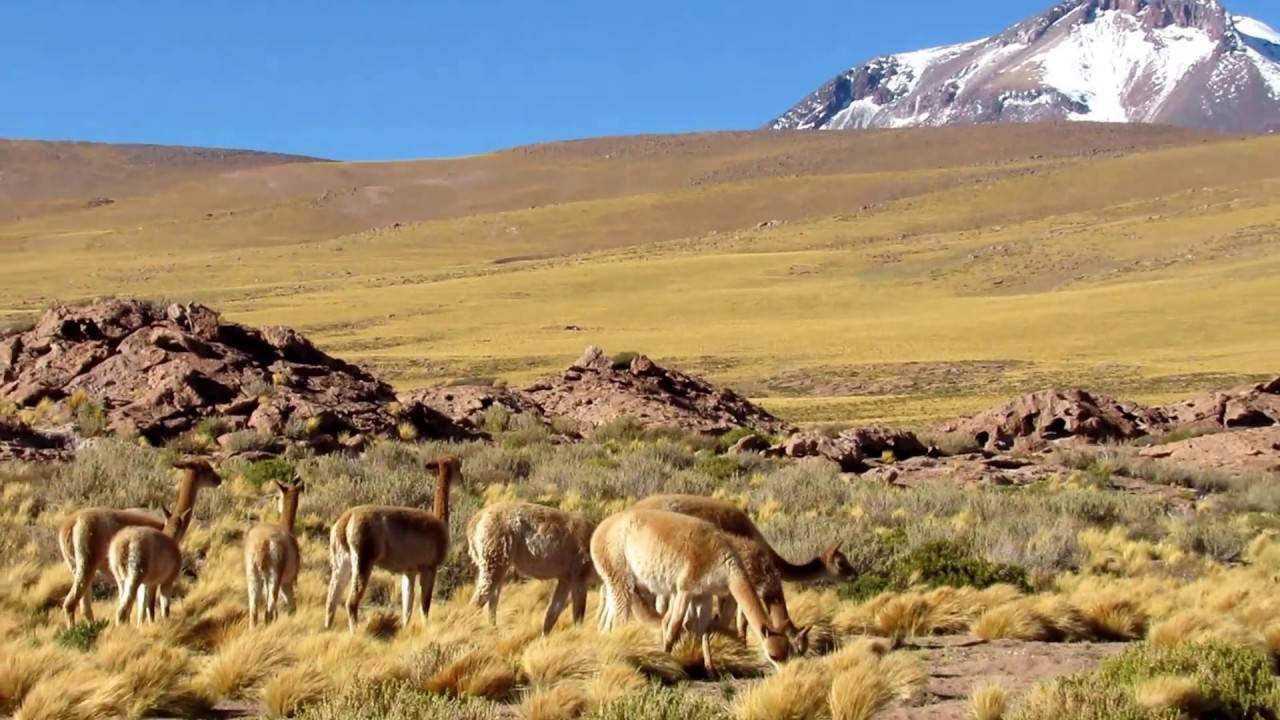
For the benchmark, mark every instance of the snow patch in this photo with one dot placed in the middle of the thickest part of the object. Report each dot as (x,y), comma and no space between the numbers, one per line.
(1255,29)
(1101,63)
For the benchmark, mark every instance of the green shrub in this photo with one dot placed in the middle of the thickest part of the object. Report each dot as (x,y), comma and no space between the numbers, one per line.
(264,472)
(1232,682)
(82,636)
(722,468)
(931,564)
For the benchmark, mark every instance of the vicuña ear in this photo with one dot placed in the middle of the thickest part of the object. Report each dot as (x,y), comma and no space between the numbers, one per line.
(165,511)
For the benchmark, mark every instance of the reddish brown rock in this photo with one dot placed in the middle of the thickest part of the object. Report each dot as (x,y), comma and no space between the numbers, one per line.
(1053,415)
(156,371)
(593,391)
(1234,451)
(1243,407)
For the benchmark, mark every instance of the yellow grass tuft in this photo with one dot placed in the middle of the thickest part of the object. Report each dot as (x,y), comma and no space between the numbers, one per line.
(798,691)
(157,681)
(1013,621)
(904,673)
(551,659)
(22,667)
(988,702)
(294,688)
(564,701)
(614,681)
(859,693)
(66,696)
(478,673)
(382,624)
(1171,692)
(244,663)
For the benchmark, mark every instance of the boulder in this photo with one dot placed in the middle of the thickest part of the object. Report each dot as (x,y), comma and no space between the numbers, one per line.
(1248,406)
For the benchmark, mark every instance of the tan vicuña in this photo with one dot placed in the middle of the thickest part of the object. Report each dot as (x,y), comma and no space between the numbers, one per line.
(405,540)
(146,563)
(538,542)
(768,584)
(682,557)
(272,557)
(86,534)
(831,563)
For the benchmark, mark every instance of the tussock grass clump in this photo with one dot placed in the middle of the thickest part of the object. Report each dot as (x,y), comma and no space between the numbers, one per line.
(988,702)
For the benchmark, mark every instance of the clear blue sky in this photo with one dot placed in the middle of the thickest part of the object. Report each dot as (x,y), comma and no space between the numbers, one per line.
(382,79)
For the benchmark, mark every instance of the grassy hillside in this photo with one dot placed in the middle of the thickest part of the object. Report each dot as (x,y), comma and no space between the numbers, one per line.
(846,276)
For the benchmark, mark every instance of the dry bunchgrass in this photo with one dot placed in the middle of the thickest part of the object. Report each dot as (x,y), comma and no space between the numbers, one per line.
(988,702)
(207,653)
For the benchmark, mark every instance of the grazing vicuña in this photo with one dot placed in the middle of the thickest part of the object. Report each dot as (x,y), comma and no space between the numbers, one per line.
(684,557)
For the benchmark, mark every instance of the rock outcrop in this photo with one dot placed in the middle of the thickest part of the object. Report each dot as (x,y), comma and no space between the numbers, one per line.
(467,405)
(157,371)
(595,390)
(1053,415)
(852,449)
(1243,407)
(20,441)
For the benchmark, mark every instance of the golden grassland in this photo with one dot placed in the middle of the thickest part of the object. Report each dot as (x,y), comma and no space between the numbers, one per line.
(1062,562)
(1135,260)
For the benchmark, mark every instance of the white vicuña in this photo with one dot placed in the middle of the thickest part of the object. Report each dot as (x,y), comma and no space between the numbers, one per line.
(538,542)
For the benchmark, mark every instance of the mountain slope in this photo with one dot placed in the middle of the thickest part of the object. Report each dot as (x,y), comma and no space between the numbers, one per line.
(38,176)
(1178,62)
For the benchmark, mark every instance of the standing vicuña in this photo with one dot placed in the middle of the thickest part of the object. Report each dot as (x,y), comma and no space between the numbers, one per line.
(144,558)
(683,557)
(405,540)
(85,535)
(538,542)
(271,557)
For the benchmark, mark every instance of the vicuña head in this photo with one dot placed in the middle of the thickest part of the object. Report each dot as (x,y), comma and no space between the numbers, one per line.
(272,557)
(410,541)
(538,542)
(142,557)
(85,535)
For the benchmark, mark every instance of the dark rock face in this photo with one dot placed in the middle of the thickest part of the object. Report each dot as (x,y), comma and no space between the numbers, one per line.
(1233,85)
(156,371)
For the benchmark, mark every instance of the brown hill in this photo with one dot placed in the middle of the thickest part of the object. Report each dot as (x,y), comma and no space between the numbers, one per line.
(56,176)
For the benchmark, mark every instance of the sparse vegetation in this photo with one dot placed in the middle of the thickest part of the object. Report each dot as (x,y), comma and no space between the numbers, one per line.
(935,560)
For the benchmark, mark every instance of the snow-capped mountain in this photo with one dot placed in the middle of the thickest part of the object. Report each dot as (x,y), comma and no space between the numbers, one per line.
(1177,62)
